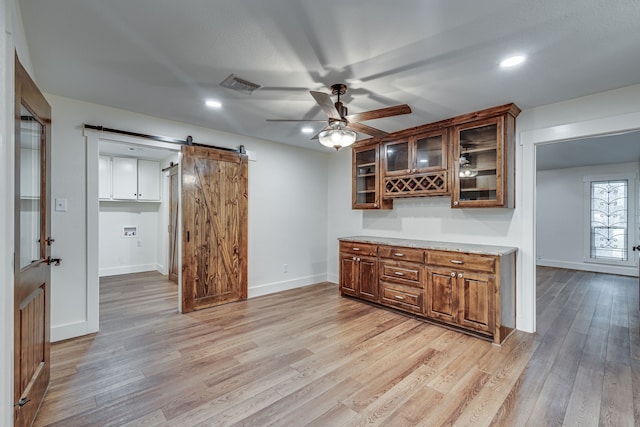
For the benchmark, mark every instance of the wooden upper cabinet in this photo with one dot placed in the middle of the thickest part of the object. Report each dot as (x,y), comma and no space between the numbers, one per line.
(366,179)
(416,165)
(484,162)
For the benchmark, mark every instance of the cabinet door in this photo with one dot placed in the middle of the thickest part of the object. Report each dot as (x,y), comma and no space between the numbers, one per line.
(348,275)
(366,191)
(148,180)
(368,276)
(475,301)
(104,178)
(442,294)
(125,178)
(431,152)
(479,164)
(397,158)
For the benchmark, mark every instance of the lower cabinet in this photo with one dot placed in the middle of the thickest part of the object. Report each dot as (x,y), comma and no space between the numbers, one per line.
(359,272)
(461,298)
(469,291)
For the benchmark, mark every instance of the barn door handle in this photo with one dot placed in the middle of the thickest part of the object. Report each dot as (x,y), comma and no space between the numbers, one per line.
(188,236)
(22,402)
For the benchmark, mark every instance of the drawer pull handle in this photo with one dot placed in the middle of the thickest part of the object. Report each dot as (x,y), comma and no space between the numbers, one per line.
(398,273)
(455,261)
(398,297)
(356,249)
(398,254)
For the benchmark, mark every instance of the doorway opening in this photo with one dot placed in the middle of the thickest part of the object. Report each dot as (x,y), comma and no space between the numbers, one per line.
(138,192)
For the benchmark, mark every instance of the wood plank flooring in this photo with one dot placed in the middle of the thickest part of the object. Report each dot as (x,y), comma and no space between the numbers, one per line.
(308,357)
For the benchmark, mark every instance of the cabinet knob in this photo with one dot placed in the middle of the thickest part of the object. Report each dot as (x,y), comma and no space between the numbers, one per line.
(375,205)
(408,170)
(456,203)
(354,258)
(358,259)
(460,275)
(453,274)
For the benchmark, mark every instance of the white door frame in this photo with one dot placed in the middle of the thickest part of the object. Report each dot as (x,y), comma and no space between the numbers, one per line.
(529,140)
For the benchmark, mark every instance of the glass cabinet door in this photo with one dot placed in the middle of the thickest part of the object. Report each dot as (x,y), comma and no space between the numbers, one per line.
(366,181)
(430,153)
(479,165)
(397,159)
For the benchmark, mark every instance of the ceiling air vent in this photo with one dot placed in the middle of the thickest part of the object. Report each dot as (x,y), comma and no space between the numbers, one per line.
(238,84)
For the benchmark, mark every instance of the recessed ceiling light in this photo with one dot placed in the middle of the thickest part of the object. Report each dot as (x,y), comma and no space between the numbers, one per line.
(211,103)
(306,129)
(512,61)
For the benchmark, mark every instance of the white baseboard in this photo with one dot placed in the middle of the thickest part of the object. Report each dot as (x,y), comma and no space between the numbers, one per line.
(161,269)
(595,268)
(333,278)
(126,269)
(70,330)
(270,288)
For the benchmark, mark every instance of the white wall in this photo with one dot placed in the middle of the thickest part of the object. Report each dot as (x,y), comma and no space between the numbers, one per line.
(561,217)
(123,255)
(287,207)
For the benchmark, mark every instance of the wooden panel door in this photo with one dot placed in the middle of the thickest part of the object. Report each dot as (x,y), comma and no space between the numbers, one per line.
(441,294)
(214,227)
(32,248)
(475,301)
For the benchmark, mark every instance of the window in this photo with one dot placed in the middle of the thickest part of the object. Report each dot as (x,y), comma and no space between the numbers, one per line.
(610,204)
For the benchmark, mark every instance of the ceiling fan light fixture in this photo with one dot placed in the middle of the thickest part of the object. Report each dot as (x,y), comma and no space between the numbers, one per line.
(337,138)
(466,170)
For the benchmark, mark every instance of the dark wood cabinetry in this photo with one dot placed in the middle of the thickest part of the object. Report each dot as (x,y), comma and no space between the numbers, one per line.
(366,191)
(469,157)
(483,172)
(416,165)
(460,290)
(471,291)
(359,271)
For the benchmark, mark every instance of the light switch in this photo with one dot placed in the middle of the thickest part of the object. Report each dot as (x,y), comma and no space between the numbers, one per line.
(61,205)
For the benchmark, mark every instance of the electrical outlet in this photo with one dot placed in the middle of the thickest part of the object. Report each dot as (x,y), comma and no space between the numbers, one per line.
(139,243)
(285,268)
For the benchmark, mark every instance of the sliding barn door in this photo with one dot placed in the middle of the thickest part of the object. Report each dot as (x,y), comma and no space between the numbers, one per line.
(174,189)
(214,227)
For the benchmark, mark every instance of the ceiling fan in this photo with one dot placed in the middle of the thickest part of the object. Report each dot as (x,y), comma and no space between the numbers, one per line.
(342,127)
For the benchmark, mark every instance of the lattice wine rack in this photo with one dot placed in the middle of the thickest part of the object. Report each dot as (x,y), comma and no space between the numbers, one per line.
(426,184)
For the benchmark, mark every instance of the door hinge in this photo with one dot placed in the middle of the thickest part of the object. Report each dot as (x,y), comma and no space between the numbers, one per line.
(22,402)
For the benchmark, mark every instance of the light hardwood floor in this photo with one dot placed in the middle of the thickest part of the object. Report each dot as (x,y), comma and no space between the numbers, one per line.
(308,357)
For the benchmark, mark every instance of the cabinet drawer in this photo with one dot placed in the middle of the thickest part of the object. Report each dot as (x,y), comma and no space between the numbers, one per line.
(410,273)
(462,261)
(358,248)
(402,297)
(402,254)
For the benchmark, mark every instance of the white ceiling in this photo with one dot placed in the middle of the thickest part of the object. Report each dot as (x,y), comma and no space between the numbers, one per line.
(165,57)
(602,150)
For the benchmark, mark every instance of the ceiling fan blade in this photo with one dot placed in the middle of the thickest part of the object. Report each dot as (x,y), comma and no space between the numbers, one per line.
(326,104)
(296,120)
(396,110)
(368,130)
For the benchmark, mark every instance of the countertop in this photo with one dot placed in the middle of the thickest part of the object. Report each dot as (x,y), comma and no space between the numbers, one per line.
(434,246)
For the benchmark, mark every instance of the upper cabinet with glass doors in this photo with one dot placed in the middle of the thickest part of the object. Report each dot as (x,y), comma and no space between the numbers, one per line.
(366,179)
(483,172)
(416,165)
